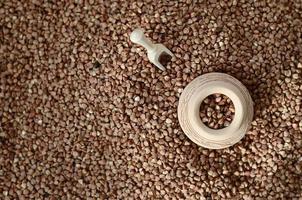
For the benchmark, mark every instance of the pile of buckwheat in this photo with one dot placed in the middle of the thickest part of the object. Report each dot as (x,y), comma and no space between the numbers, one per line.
(217,111)
(85,115)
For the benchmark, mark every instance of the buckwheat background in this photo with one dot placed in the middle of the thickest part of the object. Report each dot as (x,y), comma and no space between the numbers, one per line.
(84,115)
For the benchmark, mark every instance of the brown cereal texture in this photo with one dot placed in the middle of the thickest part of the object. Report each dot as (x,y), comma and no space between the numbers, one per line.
(84,115)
